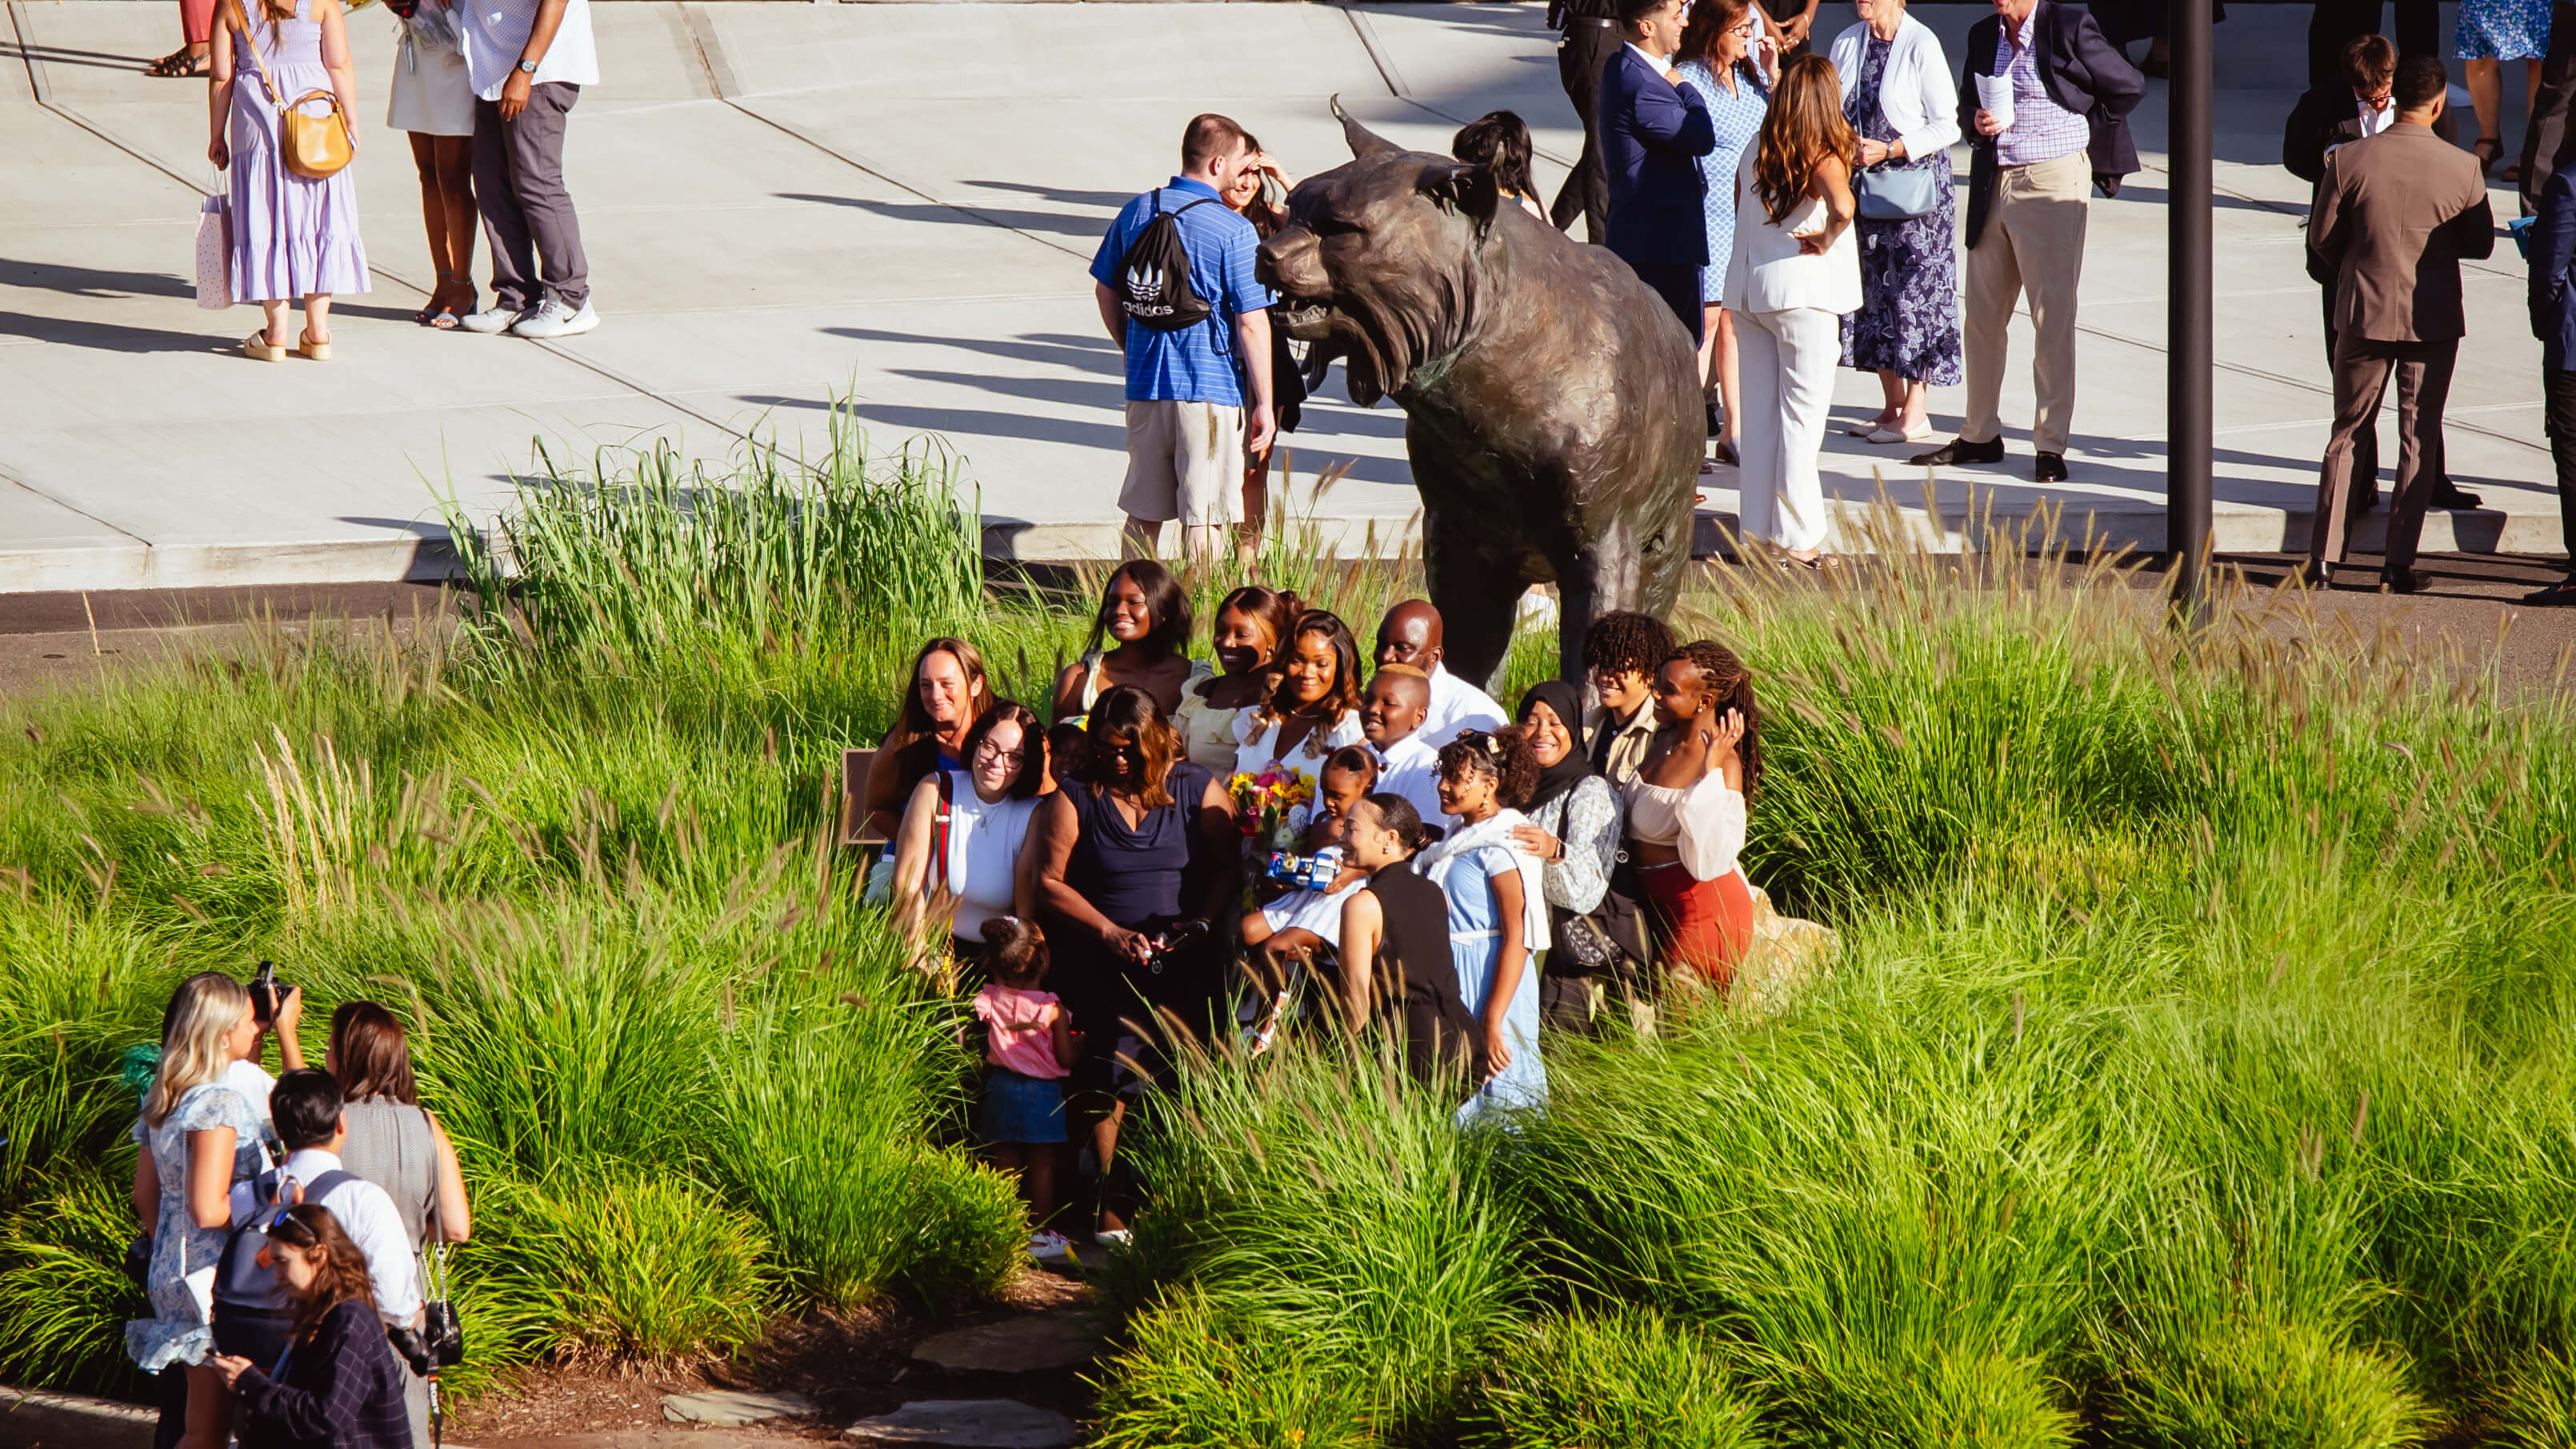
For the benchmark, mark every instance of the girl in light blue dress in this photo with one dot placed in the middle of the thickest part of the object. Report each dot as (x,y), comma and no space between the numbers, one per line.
(1497,912)
(1726,57)
(210,1028)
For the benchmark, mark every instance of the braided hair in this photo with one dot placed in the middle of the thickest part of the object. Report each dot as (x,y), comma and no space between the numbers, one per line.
(1731,683)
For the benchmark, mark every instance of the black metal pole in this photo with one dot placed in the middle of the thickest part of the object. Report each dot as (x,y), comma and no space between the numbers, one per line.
(2188,350)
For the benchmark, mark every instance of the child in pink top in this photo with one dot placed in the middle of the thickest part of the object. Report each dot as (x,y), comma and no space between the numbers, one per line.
(1028,1045)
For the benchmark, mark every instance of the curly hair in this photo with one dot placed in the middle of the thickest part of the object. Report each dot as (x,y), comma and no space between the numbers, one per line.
(1732,685)
(1625,642)
(1506,754)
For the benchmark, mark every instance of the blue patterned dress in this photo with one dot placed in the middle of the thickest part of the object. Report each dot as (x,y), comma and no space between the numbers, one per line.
(1737,116)
(1908,322)
(2502,29)
(181,1280)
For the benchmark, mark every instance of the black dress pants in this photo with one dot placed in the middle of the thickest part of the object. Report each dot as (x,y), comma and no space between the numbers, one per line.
(2334,24)
(2546,132)
(2558,389)
(1580,58)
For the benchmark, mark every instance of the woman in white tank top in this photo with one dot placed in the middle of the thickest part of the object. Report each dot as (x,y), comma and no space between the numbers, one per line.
(988,806)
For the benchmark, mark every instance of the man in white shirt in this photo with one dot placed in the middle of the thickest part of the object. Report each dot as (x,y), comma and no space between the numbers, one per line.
(527,61)
(1391,715)
(305,1105)
(1411,634)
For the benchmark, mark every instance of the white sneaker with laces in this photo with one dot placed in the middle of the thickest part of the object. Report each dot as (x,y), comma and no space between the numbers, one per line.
(491,319)
(552,319)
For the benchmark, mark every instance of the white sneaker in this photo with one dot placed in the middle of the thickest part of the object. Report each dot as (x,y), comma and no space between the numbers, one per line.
(1049,1247)
(552,319)
(491,320)
(1114,1238)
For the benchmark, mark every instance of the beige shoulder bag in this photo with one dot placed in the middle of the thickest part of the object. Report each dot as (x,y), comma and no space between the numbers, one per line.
(313,146)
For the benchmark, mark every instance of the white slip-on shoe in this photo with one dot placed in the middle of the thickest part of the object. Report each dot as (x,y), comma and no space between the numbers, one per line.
(491,319)
(552,319)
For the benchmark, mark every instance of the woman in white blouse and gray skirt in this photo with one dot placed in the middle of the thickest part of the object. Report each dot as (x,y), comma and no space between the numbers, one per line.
(434,101)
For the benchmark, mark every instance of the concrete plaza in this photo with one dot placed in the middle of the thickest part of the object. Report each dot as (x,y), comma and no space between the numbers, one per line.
(896,203)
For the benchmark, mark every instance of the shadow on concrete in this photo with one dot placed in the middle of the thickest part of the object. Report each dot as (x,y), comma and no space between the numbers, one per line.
(958,214)
(112,336)
(1108,200)
(73,281)
(1058,349)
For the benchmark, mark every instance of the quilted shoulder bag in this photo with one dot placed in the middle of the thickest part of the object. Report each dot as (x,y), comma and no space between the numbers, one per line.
(314,147)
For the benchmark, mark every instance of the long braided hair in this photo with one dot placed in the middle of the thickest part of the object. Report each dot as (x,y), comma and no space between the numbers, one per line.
(1731,684)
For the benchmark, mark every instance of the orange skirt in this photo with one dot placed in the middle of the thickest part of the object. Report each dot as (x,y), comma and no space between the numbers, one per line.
(1699,925)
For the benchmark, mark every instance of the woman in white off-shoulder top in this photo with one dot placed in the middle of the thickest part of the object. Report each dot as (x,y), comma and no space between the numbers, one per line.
(1686,811)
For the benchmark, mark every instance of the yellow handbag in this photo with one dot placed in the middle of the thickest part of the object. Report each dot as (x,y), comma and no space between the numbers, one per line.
(313,146)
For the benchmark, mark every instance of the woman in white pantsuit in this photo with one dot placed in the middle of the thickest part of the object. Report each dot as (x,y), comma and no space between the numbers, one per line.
(1793,274)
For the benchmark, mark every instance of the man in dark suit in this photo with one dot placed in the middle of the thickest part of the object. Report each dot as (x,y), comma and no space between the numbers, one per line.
(2546,132)
(2356,107)
(1653,131)
(1589,32)
(2553,321)
(2395,215)
(2072,94)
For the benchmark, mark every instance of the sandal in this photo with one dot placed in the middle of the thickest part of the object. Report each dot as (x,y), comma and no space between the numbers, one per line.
(306,347)
(2489,150)
(180,65)
(448,314)
(258,348)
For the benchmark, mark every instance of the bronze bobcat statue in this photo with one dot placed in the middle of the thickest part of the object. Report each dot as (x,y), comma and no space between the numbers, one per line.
(1552,401)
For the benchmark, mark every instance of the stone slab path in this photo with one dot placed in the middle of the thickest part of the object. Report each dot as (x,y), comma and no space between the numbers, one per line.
(788,203)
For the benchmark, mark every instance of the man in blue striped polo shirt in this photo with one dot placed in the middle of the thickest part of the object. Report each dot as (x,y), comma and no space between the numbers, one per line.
(1187,420)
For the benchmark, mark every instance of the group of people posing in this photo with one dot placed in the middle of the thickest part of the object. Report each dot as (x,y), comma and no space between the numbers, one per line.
(483,90)
(1378,845)
(290,1227)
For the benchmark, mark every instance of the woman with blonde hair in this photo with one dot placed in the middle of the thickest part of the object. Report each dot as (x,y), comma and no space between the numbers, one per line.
(198,1136)
(1793,274)
(293,236)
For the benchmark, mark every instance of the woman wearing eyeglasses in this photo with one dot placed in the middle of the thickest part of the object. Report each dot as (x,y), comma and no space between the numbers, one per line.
(959,844)
(1730,61)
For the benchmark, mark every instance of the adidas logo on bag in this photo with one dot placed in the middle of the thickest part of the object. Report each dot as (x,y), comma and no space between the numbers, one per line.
(1156,270)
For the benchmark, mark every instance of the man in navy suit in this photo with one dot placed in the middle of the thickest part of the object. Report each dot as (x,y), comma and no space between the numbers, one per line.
(1653,131)
(2553,321)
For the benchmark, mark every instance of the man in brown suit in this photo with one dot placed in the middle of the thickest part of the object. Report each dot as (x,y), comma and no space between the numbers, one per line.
(2395,213)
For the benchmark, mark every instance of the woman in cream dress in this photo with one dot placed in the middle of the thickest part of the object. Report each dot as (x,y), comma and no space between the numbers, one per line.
(434,101)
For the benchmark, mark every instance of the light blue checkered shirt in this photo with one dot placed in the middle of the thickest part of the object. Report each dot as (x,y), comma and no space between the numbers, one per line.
(2042,130)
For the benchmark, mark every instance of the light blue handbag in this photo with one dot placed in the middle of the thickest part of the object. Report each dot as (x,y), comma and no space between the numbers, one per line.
(1896,193)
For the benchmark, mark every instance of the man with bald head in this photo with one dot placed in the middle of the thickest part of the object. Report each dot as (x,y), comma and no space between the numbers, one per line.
(1408,764)
(1411,635)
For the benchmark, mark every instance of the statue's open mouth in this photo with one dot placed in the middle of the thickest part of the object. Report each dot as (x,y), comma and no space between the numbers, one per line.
(1306,321)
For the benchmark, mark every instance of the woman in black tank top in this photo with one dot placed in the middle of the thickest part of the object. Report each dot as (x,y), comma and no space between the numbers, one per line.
(1395,948)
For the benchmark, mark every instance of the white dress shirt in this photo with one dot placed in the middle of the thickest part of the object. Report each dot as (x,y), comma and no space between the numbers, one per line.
(372,1222)
(496,31)
(1457,705)
(1411,768)
(2375,119)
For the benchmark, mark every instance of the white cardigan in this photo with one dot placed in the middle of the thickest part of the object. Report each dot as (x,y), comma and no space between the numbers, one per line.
(1918,94)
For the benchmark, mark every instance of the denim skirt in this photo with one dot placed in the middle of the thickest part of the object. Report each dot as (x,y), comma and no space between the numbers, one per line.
(1022,1109)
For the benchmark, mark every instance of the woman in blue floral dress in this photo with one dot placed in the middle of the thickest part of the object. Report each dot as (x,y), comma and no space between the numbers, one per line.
(199,1136)
(1726,57)
(2489,33)
(1900,95)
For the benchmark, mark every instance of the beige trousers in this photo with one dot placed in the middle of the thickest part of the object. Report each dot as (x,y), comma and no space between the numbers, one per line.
(2033,245)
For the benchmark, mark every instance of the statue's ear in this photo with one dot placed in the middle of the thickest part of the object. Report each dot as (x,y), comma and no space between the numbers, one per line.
(1466,186)
(1364,142)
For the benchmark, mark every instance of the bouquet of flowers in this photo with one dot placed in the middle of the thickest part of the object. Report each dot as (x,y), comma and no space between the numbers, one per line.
(1273,805)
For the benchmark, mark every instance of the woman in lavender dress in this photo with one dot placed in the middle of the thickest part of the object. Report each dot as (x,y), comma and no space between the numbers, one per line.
(1729,60)
(292,237)
(1899,95)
